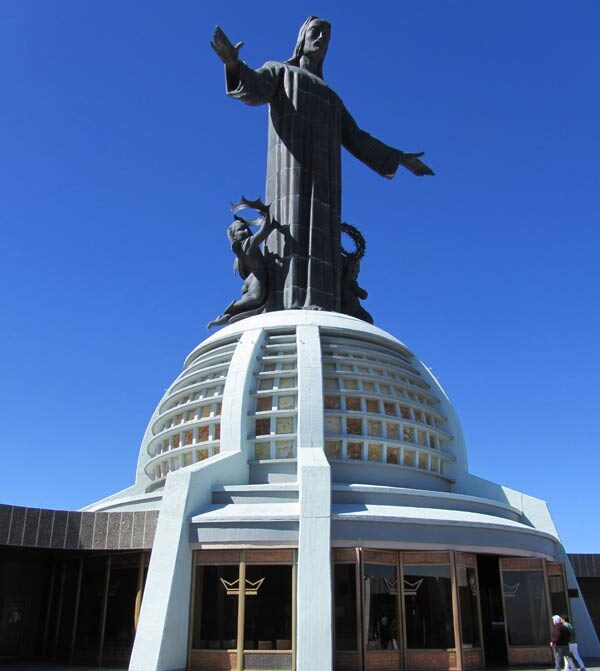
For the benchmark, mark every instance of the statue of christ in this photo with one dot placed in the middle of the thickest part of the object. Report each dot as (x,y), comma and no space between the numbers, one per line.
(308,125)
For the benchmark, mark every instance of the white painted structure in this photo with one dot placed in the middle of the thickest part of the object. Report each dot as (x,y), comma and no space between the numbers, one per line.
(312,430)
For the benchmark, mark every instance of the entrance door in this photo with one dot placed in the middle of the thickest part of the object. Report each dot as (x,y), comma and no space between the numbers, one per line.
(492,611)
(380,614)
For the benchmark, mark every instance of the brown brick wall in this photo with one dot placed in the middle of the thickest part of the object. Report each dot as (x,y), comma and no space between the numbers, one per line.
(535,654)
(472,658)
(430,659)
(382,660)
(213,660)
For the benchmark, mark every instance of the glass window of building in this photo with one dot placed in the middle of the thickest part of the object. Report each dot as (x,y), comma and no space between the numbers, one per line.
(380,615)
(332,402)
(264,403)
(392,455)
(344,591)
(374,452)
(428,606)
(525,607)
(558,596)
(469,614)
(353,403)
(354,450)
(354,426)
(333,449)
(268,617)
(215,626)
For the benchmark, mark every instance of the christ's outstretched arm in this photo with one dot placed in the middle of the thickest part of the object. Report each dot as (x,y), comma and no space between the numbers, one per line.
(377,155)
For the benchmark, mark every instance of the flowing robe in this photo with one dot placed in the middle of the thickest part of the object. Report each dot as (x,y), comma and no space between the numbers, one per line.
(308,125)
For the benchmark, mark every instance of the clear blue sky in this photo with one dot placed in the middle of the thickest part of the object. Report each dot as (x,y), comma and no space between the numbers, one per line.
(119,155)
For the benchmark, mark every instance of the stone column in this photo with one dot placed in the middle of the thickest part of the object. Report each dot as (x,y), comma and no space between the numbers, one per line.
(314,626)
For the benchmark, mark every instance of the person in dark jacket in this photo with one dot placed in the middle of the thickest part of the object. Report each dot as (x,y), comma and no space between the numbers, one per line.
(560,643)
(573,644)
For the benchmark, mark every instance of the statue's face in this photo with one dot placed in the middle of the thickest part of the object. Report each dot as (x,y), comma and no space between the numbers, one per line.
(316,40)
(238,231)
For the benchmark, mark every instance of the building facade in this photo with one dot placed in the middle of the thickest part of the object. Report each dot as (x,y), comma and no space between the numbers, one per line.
(304,490)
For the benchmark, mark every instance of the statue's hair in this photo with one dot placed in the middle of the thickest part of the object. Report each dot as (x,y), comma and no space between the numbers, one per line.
(299,48)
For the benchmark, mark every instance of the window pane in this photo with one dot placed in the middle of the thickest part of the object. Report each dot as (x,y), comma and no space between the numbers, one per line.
(333,449)
(333,424)
(284,425)
(353,403)
(264,403)
(467,595)
(215,626)
(263,427)
(428,605)
(268,621)
(374,427)
(525,604)
(380,617)
(332,402)
(262,451)
(284,449)
(374,452)
(392,455)
(344,589)
(558,598)
(286,402)
(354,450)
(390,408)
(353,426)
(266,384)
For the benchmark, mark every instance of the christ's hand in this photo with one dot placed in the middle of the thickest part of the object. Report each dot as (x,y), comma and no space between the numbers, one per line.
(225,50)
(417,167)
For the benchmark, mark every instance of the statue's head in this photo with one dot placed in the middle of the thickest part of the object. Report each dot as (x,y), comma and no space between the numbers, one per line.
(313,40)
(238,230)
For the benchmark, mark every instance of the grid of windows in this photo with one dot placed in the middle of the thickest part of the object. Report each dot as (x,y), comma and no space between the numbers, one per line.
(188,426)
(274,421)
(379,409)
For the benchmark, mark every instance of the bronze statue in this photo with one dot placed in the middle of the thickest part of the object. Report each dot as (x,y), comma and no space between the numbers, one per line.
(249,262)
(308,125)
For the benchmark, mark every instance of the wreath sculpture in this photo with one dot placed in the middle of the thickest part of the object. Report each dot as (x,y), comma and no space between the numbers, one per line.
(357,238)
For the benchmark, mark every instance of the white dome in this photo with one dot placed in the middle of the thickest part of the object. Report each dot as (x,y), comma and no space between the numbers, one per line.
(386,418)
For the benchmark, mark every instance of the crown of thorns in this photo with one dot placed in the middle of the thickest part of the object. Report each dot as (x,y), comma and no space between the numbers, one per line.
(357,238)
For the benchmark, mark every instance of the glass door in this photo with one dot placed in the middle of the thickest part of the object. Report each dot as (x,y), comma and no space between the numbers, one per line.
(380,620)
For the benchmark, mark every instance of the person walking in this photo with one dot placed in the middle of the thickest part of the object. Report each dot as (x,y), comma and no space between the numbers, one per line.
(559,642)
(572,643)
